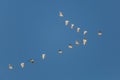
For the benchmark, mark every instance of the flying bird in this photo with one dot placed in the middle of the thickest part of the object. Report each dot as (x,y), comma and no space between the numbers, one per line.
(43,56)
(72,26)
(31,60)
(99,33)
(10,66)
(76,42)
(84,41)
(85,32)
(66,22)
(22,64)
(60,51)
(70,46)
(60,14)
(78,29)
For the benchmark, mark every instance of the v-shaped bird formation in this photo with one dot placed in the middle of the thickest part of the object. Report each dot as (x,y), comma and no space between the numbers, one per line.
(59,51)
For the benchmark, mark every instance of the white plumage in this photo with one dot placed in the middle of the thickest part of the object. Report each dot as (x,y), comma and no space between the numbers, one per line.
(78,29)
(85,32)
(99,33)
(60,14)
(43,56)
(84,41)
(10,66)
(72,26)
(66,22)
(76,42)
(60,51)
(22,64)
(70,46)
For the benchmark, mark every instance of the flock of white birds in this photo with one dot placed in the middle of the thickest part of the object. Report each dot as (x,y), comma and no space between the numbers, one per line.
(84,40)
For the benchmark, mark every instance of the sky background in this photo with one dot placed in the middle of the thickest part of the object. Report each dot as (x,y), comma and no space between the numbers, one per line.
(29,28)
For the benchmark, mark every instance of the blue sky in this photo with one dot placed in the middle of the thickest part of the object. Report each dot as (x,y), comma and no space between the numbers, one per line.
(29,28)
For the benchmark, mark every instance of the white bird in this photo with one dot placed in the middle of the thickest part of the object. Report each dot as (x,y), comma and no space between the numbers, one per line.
(22,64)
(31,60)
(60,14)
(60,51)
(72,26)
(66,22)
(43,56)
(85,32)
(78,29)
(70,46)
(10,66)
(99,33)
(84,41)
(76,42)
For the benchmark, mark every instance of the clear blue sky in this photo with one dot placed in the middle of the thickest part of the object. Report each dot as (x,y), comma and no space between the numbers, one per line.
(30,27)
